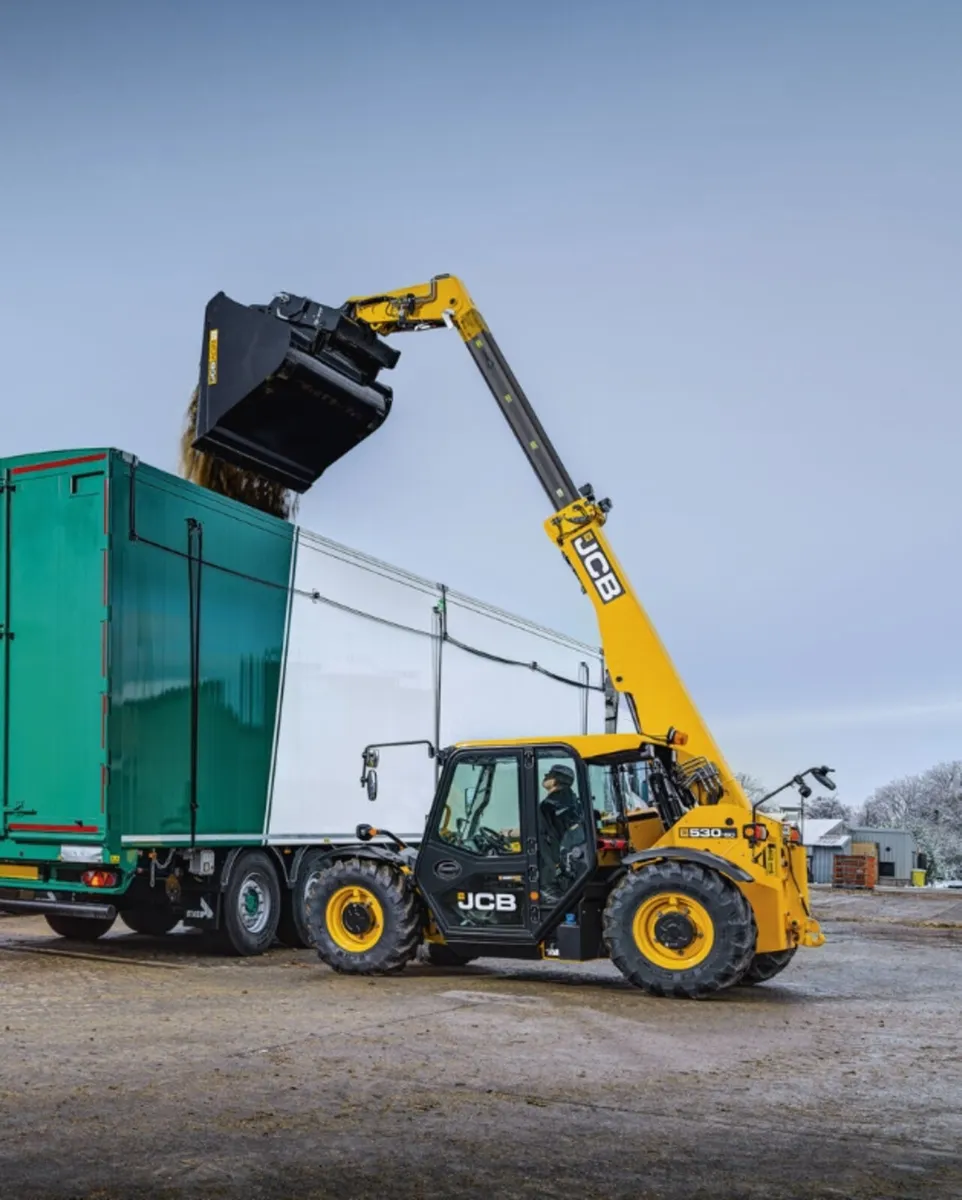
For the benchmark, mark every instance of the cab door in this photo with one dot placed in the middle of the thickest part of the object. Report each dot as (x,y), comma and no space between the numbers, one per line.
(486,852)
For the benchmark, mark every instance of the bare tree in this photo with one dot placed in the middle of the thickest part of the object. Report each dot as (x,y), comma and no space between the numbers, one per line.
(930,805)
(753,788)
(824,807)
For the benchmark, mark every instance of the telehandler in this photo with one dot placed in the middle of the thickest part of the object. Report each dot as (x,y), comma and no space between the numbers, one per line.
(640,847)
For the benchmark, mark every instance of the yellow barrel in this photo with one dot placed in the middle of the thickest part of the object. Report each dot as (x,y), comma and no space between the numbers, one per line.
(918,879)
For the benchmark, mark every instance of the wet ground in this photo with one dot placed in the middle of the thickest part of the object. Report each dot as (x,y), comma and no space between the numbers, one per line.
(155,1069)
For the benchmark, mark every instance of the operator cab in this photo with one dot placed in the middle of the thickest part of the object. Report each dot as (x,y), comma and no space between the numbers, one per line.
(522,840)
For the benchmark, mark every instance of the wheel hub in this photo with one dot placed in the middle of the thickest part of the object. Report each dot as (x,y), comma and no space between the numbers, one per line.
(675,930)
(357,919)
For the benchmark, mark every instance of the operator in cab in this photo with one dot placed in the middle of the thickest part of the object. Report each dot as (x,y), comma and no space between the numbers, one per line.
(562,824)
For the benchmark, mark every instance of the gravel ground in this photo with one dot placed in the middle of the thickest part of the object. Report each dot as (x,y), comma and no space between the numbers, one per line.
(155,1069)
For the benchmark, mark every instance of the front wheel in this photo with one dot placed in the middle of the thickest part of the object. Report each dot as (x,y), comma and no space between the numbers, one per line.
(679,929)
(365,918)
(766,966)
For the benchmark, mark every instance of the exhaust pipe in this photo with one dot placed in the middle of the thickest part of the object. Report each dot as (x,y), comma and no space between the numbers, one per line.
(288,388)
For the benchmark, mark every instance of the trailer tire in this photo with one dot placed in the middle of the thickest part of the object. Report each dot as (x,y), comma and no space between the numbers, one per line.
(440,955)
(79,929)
(251,905)
(766,966)
(294,927)
(365,917)
(151,922)
(676,928)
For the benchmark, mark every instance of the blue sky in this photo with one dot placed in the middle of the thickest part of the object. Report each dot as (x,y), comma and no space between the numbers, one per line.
(719,244)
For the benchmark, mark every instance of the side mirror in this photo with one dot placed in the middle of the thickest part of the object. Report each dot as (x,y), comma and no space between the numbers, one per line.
(821,775)
(370,782)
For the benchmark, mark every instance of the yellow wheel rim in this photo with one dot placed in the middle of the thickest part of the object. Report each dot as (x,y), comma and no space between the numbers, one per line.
(354,919)
(673,931)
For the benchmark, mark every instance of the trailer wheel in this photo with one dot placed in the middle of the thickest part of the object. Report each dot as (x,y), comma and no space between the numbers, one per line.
(251,905)
(365,917)
(766,966)
(679,929)
(294,927)
(152,922)
(79,929)
(440,955)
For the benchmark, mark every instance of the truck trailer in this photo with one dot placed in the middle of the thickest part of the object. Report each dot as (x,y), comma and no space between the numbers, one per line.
(188,685)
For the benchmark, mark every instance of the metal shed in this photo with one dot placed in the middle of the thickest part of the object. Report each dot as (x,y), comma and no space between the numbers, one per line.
(897,851)
(823,838)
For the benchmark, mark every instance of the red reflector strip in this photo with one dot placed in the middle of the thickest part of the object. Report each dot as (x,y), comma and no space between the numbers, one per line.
(19,828)
(60,462)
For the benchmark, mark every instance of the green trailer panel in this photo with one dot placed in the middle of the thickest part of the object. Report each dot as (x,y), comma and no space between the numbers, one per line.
(232,612)
(54,560)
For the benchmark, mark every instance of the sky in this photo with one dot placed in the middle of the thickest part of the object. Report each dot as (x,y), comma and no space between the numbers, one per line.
(719,244)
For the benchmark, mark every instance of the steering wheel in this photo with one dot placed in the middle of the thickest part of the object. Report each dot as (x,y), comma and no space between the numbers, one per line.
(490,840)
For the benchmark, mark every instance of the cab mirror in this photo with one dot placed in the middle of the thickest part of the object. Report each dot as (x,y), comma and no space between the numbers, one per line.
(370,782)
(821,775)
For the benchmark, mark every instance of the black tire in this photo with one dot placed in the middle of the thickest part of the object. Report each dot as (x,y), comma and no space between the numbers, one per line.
(439,955)
(79,929)
(152,922)
(766,966)
(721,908)
(387,940)
(251,906)
(294,928)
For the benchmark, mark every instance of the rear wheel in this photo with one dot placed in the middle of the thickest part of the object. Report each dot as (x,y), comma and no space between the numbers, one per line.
(79,929)
(153,922)
(766,966)
(251,905)
(365,917)
(294,928)
(679,929)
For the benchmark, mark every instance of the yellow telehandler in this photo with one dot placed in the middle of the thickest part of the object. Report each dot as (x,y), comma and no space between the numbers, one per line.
(641,847)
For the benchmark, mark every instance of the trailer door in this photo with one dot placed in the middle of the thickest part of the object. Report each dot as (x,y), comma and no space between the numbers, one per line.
(54,650)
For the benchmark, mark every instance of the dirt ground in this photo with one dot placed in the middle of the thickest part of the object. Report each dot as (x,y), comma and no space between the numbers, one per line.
(155,1069)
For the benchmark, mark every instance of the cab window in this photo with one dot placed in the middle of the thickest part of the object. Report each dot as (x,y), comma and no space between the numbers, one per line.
(481,813)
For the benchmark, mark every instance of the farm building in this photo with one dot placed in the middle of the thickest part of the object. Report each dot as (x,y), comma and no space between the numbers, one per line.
(896,850)
(824,838)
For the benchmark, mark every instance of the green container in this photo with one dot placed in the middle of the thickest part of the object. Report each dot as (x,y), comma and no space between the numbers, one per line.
(107,613)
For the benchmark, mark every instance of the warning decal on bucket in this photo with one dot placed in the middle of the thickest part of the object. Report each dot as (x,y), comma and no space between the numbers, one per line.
(212,357)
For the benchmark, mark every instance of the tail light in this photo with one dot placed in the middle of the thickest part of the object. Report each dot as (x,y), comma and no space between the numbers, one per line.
(756,833)
(99,879)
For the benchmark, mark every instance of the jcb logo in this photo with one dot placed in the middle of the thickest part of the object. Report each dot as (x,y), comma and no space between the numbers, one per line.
(488,901)
(606,582)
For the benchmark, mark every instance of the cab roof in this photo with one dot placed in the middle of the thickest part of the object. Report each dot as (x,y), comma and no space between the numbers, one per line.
(592,745)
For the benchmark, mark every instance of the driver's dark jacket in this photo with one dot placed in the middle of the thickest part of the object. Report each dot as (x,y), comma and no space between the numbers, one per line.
(563,817)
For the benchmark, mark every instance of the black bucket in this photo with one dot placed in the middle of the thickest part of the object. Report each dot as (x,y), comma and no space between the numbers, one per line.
(289,388)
